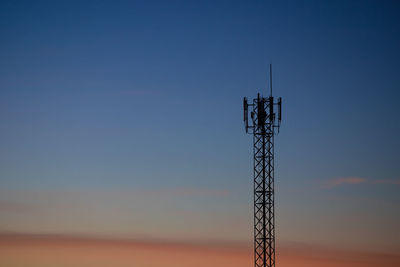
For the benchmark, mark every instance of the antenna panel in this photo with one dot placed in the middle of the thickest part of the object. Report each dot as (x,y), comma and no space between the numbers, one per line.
(280,109)
(261,114)
(271,109)
(245,113)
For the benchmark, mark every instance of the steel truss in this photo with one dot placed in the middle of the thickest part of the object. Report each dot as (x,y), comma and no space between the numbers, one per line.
(263,129)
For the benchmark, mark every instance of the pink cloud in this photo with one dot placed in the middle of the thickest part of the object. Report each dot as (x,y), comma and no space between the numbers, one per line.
(188,191)
(15,207)
(53,250)
(345,180)
(358,180)
(386,181)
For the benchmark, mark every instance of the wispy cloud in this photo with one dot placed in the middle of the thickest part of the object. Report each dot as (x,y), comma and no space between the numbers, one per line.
(353,180)
(345,180)
(91,251)
(386,181)
(188,191)
(15,207)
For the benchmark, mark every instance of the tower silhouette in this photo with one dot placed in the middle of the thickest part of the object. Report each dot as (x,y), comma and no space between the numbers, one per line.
(263,125)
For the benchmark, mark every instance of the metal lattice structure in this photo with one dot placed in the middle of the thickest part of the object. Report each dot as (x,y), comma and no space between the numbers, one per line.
(263,126)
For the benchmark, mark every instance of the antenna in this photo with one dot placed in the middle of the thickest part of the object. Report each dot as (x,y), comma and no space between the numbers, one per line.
(245,113)
(280,109)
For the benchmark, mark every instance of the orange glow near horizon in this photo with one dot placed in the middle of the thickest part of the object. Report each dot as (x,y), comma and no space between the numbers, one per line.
(19,250)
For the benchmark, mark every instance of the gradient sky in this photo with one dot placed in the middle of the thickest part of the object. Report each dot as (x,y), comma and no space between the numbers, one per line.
(124,119)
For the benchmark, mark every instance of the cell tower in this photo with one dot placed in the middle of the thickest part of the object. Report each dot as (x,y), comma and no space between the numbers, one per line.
(263,126)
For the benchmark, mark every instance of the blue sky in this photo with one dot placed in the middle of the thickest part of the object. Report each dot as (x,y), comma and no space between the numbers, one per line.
(103,97)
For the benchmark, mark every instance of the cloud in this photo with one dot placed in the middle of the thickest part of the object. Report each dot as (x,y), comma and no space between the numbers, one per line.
(386,181)
(358,180)
(187,191)
(35,250)
(303,254)
(110,241)
(345,180)
(15,207)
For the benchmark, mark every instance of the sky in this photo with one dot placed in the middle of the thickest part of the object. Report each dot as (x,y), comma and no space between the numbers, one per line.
(123,120)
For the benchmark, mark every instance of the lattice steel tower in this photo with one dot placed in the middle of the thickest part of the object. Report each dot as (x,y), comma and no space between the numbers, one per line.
(263,126)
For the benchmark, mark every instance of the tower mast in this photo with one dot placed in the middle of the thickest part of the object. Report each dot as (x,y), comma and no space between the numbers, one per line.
(263,125)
